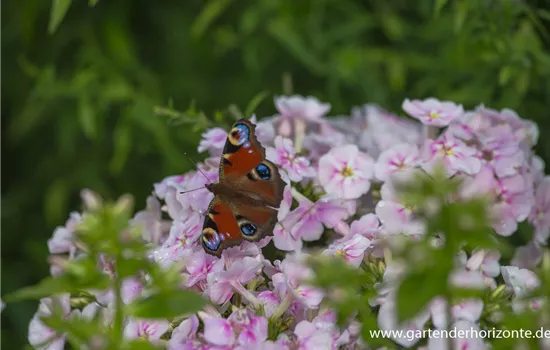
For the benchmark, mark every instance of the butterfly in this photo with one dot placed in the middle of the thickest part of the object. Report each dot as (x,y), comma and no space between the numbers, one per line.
(247,196)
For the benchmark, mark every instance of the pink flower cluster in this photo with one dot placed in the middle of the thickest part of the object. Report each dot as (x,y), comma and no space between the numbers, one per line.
(351,165)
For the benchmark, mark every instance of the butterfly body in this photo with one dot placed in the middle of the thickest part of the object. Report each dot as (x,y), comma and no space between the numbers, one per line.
(246,198)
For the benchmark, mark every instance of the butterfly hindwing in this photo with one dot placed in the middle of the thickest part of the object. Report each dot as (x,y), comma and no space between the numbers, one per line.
(220,229)
(227,224)
(243,166)
(255,222)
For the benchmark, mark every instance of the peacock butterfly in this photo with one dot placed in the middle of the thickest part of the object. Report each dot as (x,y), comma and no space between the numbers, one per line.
(247,196)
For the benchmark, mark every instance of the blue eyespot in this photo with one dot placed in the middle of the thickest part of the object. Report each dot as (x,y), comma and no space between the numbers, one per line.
(263,172)
(240,134)
(248,229)
(211,239)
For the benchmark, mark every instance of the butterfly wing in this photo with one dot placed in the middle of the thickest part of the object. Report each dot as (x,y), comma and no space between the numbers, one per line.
(220,229)
(243,166)
(227,224)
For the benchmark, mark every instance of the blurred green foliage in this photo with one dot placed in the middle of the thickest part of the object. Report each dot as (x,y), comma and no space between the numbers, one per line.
(81,80)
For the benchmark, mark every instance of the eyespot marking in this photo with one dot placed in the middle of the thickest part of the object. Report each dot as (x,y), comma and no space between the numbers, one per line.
(211,239)
(248,228)
(239,135)
(263,172)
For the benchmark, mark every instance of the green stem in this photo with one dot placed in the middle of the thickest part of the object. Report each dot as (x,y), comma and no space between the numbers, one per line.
(119,312)
(283,306)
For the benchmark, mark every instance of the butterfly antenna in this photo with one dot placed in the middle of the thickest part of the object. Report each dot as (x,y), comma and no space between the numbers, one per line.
(192,161)
(195,189)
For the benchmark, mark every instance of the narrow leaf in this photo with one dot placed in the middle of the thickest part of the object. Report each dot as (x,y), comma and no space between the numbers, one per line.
(45,288)
(167,305)
(439,4)
(209,13)
(254,103)
(59,9)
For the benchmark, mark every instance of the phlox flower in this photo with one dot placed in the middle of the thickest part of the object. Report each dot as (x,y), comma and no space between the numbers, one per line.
(462,278)
(540,213)
(469,310)
(63,239)
(213,141)
(368,226)
(346,172)
(308,337)
(387,320)
(296,274)
(308,220)
(41,336)
(527,256)
(319,143)
(471,343)
(198,266)
(395,216)
(284,155)
(326,322)
(377,130)
(454,155)
(170,183)
(265,132)
(501,149)
(400,158)
(181,240)
(272,298)
(521,281)
(150,330)
(184,333)
(293,108)
(351,249)
(432,111)
(514,200)
(484,261)
(198,200)
(222,284)
(153,227)
(239,329)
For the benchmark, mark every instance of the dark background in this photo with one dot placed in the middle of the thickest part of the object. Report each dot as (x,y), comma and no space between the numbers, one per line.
(78,102)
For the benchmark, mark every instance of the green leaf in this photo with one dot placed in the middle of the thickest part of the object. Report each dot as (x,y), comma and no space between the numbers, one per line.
(254,103)
(55,201)
(167,304)
(44,288)
(79,331)
(410,300)
(212,10)
(331,272)
(86,116)
(122,139)
(504,75)
(461,12)
(438,5)
(58,12)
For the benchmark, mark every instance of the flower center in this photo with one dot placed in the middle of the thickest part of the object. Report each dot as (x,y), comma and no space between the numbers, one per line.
(347,172)
(182,240)
(447,151)
(434,115)
(340,252)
